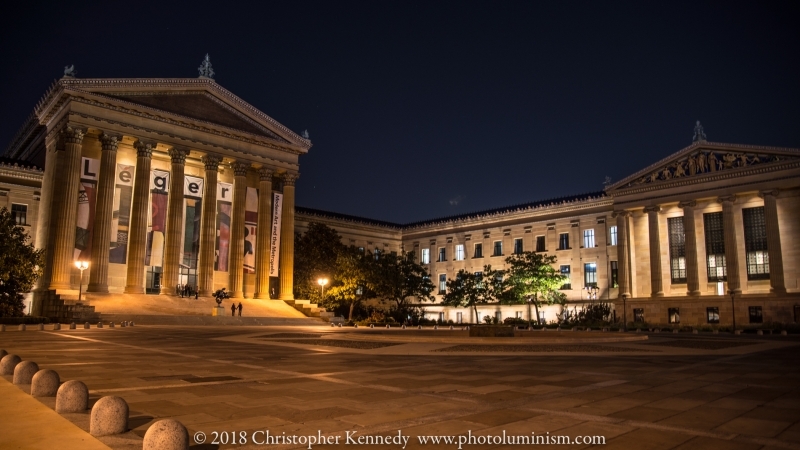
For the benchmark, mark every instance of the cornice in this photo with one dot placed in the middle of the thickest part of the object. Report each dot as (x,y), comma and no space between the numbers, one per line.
(20,172)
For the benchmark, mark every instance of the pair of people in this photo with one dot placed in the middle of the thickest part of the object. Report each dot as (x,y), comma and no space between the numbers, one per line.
(234,308)
(185,290)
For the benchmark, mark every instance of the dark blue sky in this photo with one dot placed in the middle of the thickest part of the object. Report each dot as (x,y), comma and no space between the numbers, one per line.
(425,109)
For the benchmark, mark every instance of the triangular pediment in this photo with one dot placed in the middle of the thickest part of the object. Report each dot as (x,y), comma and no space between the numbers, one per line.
(703,159)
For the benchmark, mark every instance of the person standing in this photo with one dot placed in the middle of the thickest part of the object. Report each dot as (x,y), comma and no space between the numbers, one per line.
(233,309)
(240,309)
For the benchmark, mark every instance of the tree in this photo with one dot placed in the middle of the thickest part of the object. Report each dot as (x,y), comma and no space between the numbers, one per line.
(469,290)
(400,278)
(351,279)
(530,276)
(20,265)
(315,254)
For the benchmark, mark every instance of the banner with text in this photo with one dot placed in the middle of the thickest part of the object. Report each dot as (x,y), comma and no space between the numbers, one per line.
(224,198)
(275,237)
(84,220)
(250,222)
(159,190)
(121,215)
(193,205)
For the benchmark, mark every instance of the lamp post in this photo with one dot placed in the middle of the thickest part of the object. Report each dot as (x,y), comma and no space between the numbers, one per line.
(733,309)
(322,282)
(529,313)
(81,265)
(624,313)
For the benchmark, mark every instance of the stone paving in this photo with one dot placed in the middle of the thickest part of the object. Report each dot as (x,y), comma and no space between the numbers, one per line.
(684,392)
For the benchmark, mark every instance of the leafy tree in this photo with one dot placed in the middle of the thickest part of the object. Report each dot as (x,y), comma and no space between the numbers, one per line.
(399,278)
(531,276)
(351,279)
(315,254)
(20,265)
(469,290)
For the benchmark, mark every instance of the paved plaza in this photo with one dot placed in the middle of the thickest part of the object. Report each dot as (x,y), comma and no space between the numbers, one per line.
(637,390)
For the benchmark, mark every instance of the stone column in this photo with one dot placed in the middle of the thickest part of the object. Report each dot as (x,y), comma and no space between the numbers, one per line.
(236,268)
(264,233)
(690,232)
(65,207)
(104,206)
(623,256)
(137,236)
(656,282)
(208,225)
(172,241)
(43,225)
(774,250)
(731,249)
(287,238)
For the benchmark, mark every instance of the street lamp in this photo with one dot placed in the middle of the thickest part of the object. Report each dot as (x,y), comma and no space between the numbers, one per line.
(81,265)
(733,309)
(322,282)
(529,313)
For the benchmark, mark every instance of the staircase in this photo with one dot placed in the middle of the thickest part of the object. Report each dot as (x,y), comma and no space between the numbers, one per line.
(311,309)
(64,307)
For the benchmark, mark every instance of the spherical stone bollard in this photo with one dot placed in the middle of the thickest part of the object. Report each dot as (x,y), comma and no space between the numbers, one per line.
(419,327)
(372,325)
(166,434)
(355,325)
(72,397)
(110,324)
(451,327)
(86,326)
(339,325)
(56,326)
(8,363)
(72,326)
(436,327)
(387,326)
(122,324)
(99,324)
(45,383)
(41,327)
(109,416)
(131,324)
(24,372)
(3,353)
(333,325)
(21,327)
(404,326)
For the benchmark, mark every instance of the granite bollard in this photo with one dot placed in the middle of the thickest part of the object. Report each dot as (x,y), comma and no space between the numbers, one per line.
(24,372)
(131,324)
(109,416)
(41,327)
(56,326)
(86,326)
(99,324)
(72,397)
(110,324)
(166,434)
(8,363)
(21,327)
(72,326)
(45,383)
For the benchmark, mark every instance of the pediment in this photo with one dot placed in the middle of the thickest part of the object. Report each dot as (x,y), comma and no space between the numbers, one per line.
(703,159)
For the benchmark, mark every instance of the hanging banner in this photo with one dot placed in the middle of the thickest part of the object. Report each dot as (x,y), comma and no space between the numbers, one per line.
(121,215)
(224,197)
(250,222)
(159,190)
(87,196)
(275,237)
(192,194)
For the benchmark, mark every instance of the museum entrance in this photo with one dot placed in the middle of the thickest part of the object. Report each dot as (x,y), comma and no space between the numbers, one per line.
(153,282)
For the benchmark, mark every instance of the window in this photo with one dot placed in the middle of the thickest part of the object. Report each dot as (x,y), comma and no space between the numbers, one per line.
(540,244)
(677,249)
(674,315)
(442,283)
(361,249)
(459,317)
(442,254)
(755,314)
(588,238)
(518,315)
(590,274)
(459,252)
(425,256)
(638,315)
(755,243)
(567,283)
(563,241)
(479,279)
(19,213)
(517,246)
(478,251)
(498,248)
(612,237)
(499,316)
(541,318)
(712,315)
(377,254)
(715,247)
(614,274)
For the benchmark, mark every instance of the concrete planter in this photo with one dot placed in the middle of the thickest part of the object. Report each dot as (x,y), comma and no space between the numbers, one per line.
(491,331)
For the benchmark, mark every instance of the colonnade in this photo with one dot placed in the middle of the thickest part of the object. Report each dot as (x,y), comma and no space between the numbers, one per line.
(729,218)
(60,235)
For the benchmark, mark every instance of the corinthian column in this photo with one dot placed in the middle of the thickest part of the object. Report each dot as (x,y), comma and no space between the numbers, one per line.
(236,269)
(774,251)
(623,256)
(44,229)
(101,229)
(65,207)
(208,225)
(287,238)
(690,235)
(263,233)
(172,241)
(656,283)
(731,249)
(137,236)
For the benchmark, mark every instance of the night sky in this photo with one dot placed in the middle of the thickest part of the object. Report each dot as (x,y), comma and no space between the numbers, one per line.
(425,109)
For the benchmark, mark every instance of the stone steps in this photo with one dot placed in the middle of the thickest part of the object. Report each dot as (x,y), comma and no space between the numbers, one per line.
(311,309)
(148,319)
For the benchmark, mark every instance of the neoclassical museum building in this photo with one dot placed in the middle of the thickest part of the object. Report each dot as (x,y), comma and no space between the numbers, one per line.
(161,182)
